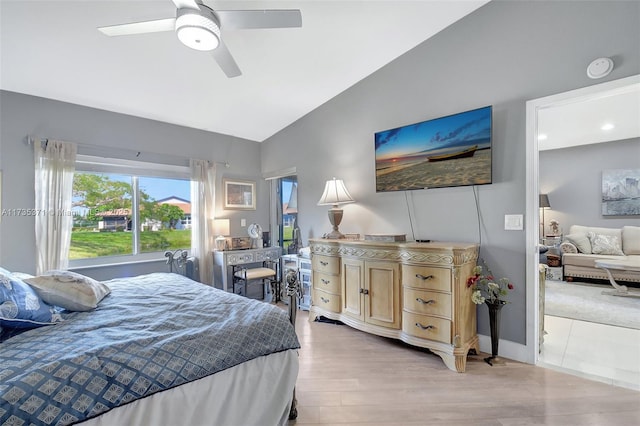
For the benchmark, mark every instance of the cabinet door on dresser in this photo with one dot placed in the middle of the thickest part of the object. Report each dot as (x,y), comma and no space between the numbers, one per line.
(352,288)
(382,294)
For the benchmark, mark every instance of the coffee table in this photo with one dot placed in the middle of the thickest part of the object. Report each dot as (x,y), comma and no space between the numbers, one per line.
(626,265)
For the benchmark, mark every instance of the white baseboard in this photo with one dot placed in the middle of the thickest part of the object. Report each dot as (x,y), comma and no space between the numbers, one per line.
(506,349)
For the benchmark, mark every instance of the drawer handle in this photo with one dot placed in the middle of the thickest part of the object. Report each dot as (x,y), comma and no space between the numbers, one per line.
(422,277)
(325,281)
(425,302)
(324,300)
(428,327)
(323,263)
(363,291)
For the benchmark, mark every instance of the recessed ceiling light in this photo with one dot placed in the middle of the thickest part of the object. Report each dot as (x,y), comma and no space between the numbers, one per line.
(542,137)
(607,126)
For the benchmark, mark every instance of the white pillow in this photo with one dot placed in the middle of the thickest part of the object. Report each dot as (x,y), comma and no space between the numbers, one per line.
(631,239)
(605,244)
(69,290)
(581,242)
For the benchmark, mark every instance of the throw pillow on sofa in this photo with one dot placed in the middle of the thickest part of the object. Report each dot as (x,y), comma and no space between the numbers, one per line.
(605,244)
(581,241)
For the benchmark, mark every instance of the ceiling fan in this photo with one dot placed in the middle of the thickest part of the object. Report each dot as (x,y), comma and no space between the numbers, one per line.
(198,27)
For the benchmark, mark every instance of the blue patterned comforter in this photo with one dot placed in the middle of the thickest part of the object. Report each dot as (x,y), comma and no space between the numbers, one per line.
(152,333)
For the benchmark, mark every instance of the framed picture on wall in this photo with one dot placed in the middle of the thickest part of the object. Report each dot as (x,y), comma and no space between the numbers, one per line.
(621,192)
(239,194)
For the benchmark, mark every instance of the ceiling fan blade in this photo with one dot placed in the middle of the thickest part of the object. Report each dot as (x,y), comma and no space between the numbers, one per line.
(223,57)
(139,27)
(187,4)
(248,19)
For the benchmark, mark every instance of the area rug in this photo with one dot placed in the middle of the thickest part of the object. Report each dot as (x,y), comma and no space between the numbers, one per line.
(586,302)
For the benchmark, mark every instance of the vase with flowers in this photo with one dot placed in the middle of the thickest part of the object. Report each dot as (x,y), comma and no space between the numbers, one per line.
(492,292)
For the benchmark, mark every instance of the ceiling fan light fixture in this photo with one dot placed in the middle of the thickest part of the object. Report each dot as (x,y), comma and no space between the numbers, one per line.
(197,32)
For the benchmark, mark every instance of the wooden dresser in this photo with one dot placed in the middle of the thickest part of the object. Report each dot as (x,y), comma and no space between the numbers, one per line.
(415,292)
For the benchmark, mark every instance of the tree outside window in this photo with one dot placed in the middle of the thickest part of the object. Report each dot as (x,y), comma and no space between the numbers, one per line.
(104,206)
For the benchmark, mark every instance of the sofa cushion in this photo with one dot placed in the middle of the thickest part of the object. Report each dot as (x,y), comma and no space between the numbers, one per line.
(580,229)
(585,260)
(631,240)
(605,244)
(581,241)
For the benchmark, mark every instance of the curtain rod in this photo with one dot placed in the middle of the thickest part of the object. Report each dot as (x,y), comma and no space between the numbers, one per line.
(122,153)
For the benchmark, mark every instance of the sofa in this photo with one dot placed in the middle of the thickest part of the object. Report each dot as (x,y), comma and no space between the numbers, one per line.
(583,245)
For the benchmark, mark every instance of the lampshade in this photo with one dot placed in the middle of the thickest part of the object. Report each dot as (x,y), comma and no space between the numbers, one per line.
(335,193)
(544,201)
(221,226)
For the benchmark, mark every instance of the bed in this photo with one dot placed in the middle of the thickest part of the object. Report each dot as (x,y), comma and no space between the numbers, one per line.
(160,349)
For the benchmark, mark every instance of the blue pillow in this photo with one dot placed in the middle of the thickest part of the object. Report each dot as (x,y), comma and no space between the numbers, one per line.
(20,306)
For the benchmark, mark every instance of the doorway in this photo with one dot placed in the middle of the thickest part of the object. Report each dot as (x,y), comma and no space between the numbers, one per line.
(539,110)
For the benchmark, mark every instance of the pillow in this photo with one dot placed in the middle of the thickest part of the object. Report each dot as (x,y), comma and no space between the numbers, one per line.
(20,306)
(605,244)
(69,290)
(581,241)
(21,275)
(631,239)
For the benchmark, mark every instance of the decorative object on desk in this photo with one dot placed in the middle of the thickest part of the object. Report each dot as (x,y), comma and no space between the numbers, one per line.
(221,229)
(239,195)
(543,204)
(492,292)
(255,232)
(335,193)
(620,192)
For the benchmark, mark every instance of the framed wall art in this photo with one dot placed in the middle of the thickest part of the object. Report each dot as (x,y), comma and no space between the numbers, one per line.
(239,194)
(621,192)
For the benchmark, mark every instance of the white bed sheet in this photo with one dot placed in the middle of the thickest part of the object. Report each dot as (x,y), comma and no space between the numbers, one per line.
(257,392)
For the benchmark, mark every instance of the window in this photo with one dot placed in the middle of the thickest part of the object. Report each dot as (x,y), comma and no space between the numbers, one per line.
(288,219)
(128,214)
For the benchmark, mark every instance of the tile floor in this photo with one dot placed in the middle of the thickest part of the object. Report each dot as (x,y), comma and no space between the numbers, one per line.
(595,351)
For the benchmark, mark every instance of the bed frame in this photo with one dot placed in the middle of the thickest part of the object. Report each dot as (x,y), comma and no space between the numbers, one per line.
(181,263)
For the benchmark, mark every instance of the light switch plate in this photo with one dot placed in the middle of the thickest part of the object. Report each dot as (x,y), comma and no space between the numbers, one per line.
(243,222)
(513,222)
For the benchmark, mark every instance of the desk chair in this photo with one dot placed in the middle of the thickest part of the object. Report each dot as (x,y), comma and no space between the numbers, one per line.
(266,275)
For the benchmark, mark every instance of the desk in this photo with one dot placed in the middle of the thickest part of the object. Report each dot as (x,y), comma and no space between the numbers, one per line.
(222,260)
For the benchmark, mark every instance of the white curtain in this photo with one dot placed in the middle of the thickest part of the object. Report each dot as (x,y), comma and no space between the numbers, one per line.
(54,167)
(203,192)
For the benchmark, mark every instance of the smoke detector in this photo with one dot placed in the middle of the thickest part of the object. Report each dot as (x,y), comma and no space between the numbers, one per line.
(600,67)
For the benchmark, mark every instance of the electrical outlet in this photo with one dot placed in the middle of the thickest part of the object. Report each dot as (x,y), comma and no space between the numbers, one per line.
(243,222)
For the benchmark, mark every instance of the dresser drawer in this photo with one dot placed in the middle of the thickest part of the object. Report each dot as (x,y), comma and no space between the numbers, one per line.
(328,301)
(326,264)
(326,282)
(427,302)
(426,277)
(426,327)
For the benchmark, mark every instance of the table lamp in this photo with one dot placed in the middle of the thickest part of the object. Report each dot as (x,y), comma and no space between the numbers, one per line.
(335,193)
(221,228)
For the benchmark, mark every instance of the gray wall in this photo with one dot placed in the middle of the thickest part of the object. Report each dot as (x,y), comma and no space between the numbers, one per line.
(573,179)
(503,54)
(22,115)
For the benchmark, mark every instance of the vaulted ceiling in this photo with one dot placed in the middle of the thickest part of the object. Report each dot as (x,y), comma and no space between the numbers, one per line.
(52,49)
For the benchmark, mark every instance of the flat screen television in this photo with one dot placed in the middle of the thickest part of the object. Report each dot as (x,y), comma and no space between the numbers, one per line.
(448,151)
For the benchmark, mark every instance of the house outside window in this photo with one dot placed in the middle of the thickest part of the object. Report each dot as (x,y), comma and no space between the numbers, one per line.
(128,214)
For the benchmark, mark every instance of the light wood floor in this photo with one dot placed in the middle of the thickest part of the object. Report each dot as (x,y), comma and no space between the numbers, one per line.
(348,377)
